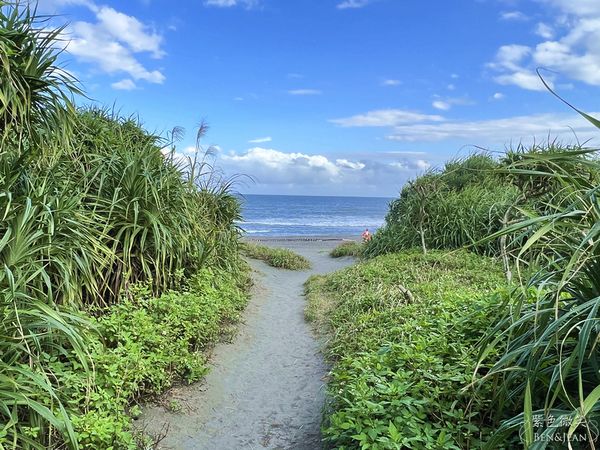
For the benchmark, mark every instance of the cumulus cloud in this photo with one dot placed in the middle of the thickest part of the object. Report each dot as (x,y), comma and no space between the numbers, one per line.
(544,30)
(350,164)
(319,173)
(498,96)
(577,7)
(129,30)
(278,165)
(112,42)
(386,118)
(510,60)
(391,82)
(569,47)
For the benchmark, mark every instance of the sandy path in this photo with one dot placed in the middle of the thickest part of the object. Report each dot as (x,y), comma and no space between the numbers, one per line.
(264,390)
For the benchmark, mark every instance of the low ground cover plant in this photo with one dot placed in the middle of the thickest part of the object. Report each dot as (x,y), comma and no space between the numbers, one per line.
(145,344)
(403,332)
(281,258)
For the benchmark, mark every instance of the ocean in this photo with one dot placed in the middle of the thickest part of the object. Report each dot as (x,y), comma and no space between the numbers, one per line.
(294,215)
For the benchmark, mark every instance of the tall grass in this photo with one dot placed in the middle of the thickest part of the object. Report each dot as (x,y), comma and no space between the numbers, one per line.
(89,206)
(547,339)
(455,207)
(35,92)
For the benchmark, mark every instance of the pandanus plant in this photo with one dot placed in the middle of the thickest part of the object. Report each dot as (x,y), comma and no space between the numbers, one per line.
(35,92)
(549,364)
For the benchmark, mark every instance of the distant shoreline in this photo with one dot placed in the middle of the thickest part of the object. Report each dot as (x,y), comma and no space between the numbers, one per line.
(305,238)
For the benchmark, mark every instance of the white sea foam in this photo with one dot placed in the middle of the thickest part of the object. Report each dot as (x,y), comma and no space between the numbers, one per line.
(322,222)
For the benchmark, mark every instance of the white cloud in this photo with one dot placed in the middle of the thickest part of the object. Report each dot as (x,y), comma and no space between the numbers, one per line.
(536,127)
(451,87)
(544,30)
(230,3)
(509,60)
(261,140)
(221,3)
(577,7)
(282,167)
(422,164)
(498,96)
(415,127)
(514,16)
(315,173)
(385,118)
(304,92)
(351,4)
(570,47)
(350,164)
(54,6)
(391,82)
(524,79)
(112,42)
(125,84)
(439,104)
(445,104)
(130,31)
(419,164)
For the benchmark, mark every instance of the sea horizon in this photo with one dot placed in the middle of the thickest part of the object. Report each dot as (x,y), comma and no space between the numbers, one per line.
(280,215)
(239,194)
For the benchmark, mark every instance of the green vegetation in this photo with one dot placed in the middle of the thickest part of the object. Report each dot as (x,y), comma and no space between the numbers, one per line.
(144,344)
(409,347)
(457,206)
(404,332)
(281,258)
(430,352)
(351,248)
(118,264)
(468,201)
(546,337)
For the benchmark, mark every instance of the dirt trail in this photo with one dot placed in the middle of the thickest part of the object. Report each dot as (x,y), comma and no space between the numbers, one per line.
(266,389)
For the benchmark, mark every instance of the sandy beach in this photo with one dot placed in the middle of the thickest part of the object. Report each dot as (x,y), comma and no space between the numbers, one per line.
(265,389)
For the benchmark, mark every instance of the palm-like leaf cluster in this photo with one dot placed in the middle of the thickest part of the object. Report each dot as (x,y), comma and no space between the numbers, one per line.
(89,205)
(547,341)
(35,93)
(455,207)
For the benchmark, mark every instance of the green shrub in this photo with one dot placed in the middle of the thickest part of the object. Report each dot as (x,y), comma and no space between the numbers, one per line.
(347,249)
(144,344)
(404,332)
(545,342)
(90,206)
(281,258)
(459,206)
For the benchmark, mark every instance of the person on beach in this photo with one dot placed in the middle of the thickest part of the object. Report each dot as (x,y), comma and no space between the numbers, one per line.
(366,235)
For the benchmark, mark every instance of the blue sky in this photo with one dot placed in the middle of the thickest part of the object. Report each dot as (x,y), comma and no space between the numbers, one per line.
(339,97)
